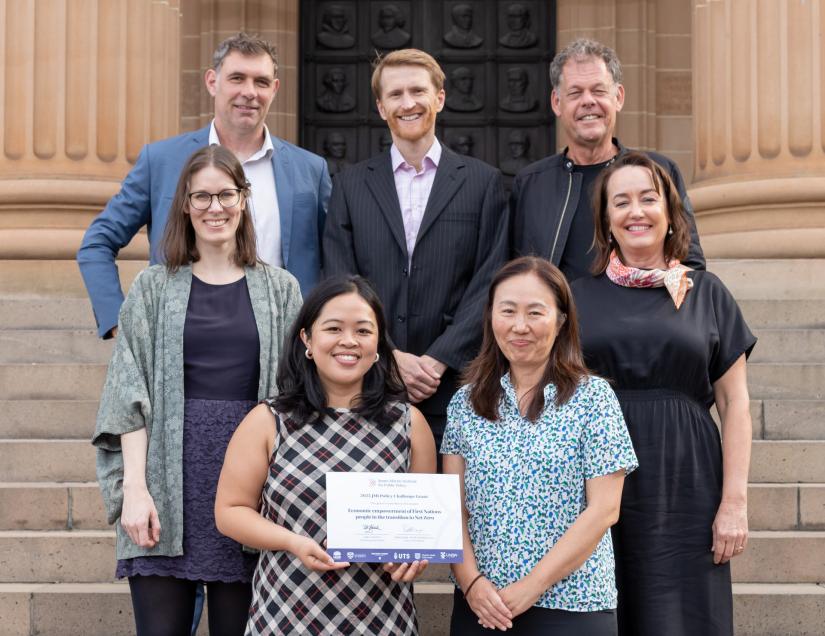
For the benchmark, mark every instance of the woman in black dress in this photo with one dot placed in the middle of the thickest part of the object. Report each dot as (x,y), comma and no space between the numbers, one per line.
(673,342)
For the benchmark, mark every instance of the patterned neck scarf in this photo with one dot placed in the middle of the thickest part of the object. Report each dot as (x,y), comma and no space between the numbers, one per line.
(674,278)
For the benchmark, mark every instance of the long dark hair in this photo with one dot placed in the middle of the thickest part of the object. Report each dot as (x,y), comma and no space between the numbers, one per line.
(299,387)
(676,244)
(565,367)
(179,236)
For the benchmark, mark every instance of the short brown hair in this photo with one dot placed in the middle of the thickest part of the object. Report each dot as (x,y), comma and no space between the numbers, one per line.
(249,45)
(179,236)
(406,57)
(565,367)
(676,245)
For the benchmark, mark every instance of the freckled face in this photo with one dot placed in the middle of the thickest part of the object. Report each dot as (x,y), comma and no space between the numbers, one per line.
(409,102)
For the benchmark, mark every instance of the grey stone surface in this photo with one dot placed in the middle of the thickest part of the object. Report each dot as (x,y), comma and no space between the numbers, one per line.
(47,460)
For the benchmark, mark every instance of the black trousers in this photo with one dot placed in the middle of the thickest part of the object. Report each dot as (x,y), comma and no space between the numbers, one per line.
(536,621)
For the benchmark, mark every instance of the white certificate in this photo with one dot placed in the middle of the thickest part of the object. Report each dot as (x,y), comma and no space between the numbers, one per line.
(394,517)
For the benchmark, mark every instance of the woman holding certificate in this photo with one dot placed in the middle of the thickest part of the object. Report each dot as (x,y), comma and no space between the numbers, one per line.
(542,451)
(341,407)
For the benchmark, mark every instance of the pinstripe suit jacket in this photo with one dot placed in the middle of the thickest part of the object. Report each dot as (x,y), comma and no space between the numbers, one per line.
(434,305)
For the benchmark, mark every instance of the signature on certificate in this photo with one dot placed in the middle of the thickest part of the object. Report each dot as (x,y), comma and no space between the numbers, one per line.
(369,528)
(412,530)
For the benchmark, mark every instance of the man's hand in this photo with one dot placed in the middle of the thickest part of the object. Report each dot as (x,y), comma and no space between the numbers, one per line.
(418,374)
(438,366)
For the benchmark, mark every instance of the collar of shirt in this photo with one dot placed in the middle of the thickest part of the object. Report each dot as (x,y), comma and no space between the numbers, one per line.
(266,149)
(433,155)
(510,391)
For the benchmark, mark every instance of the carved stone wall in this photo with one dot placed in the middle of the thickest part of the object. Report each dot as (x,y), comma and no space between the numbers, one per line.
(83,85)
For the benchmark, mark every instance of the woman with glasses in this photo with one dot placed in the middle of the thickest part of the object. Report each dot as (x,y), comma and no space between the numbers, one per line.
(197,346)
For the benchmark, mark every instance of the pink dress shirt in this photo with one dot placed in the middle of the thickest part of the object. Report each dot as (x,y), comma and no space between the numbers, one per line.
(413,189)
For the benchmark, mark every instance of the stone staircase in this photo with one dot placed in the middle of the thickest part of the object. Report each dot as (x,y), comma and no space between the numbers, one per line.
(56,552)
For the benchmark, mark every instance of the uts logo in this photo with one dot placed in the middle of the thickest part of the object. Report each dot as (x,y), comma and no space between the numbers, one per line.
(336,555)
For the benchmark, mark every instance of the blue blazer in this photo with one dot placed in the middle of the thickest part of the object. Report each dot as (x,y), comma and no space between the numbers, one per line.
(303,187)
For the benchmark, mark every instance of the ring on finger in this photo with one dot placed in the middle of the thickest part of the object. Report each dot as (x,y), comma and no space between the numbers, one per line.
(739,548)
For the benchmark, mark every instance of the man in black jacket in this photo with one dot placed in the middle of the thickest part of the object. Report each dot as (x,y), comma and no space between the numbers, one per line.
(551,214)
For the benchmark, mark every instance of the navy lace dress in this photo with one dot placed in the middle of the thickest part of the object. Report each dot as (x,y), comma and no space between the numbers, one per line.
(221,369)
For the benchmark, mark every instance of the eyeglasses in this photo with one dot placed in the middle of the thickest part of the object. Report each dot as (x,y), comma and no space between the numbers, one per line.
(203,200)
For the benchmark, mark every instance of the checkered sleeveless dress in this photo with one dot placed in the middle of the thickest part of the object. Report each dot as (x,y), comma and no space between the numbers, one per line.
(361,599)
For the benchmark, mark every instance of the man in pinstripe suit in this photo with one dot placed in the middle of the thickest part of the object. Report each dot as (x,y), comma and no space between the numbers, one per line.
(428,227)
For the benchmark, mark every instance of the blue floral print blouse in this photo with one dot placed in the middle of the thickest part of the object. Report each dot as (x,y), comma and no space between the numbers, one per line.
(525,484)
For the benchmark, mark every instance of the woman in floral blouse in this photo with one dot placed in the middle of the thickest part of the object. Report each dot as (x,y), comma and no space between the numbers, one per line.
(542,450)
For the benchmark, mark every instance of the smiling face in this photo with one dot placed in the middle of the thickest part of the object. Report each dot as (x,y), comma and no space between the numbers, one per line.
(409,102)
(525,321)
(216,225)
(243,87)
(638,216)
(586,102)
(343,342)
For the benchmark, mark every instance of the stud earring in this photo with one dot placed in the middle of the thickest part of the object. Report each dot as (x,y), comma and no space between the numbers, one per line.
(670,230)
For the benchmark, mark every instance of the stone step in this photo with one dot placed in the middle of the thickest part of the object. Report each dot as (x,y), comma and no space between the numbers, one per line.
(51,506)
(787,461)
(772,279)
(790,380)
(784,556)
(790,419)
(51,381)
(786,609)
(789,313)
(48,419)
(46,278)
(789,345)
(105,609)
(46,460)
(62,556)
(53,346)
(785,506)
(46,313)
(57,609)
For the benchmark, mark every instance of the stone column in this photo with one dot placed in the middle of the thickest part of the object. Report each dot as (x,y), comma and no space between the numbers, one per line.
(84,84)
(759,127)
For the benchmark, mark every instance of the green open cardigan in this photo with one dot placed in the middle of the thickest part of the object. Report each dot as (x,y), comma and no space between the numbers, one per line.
(144,387)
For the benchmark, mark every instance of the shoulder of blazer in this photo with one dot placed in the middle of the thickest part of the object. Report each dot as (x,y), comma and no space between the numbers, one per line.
(184,141)
(297,153)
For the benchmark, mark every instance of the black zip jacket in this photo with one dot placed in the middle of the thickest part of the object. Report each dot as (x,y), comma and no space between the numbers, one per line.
(545,197)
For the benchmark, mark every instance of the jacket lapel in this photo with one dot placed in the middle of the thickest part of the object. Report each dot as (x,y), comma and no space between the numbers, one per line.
(448,179)
(282,168)
(381,184)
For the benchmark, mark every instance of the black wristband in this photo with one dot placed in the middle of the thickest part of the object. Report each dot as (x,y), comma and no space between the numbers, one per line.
(473,582)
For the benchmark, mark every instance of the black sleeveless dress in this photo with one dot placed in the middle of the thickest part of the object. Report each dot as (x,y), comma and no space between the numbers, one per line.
(662,364)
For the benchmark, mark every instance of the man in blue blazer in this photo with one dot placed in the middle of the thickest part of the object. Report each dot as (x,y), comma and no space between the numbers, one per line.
(290,186)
